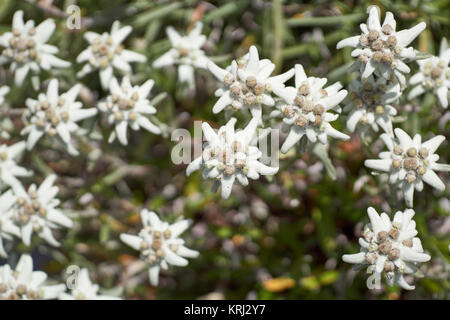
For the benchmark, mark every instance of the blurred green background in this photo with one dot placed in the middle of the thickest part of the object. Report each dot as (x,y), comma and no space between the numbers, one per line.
(278,239)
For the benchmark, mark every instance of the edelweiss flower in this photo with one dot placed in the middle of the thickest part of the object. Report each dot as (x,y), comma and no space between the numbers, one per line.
(7,227)
(25,284)
(26,48)
(390,247)
(3,92)
(410,162)
(9,170)
(381,49)
(159,244)
(106,52)
(434,76)
(229,155)
(85,289)
(247,83)
(306,109)
(186,52)
(36,211)
(56,115)
(127,106)
(370,104)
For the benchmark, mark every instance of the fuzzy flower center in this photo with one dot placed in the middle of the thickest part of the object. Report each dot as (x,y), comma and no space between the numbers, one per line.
(25,208)
(122,106)
(413,161)
(229,158)
(245,93)
(435,73)
(22,47)
(152,245)
(383,46)
(370,97)
(305,110)
(104,51)
(48,118)
(385,243)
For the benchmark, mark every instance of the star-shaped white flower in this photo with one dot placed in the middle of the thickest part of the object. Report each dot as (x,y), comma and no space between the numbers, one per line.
(306,109)
(36,211)
(106,53)
(26,48)
(389,247)
(3,92)
(128,105)
(410,162)
(56,115)
(247,84)
(434,76)
(229,155)
(381,49)
(84,289)
(23,283)
(370,104)
(7,227)
(160,244)
(9,170)
(186,53)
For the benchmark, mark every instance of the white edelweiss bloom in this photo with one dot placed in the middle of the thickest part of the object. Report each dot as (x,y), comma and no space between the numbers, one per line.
(84,289)
(3,92)
(247,83)
(370,104)
(306,109)
(25,48)
(229,155)
(390,247)
(56,115)
(128,105)
(434,76)
(9,170)
(186,53)
(7,227)
(106,53)
(160,244)
(35,211)
(23,283)
(381,49)
(410,162)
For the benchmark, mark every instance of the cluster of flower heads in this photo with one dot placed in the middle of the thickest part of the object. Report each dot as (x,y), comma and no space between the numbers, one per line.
(246,86)
(382,53)
(306,111)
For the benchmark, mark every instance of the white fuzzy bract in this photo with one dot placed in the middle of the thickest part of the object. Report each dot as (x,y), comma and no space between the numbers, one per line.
(230,155)
(4,90)
(390,247)
(26,48)
(84,289)
(410,162)
(306,109)
(9,170)
(106,53)
(381,49)
(160,244)
(247,83)
(434,76)
(186,53)
(22,283)
(128,105)
(56,115)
